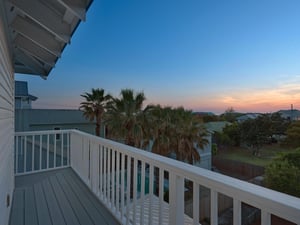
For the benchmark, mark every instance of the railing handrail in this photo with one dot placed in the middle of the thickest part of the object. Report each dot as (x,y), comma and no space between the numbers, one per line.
(274,202)
(43,132)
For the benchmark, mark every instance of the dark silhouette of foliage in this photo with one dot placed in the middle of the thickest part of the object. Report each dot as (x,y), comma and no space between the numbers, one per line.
(283,174)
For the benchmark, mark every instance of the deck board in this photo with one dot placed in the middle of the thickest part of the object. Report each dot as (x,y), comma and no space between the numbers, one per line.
(56,197)
(17,211)
(54,208)
(105,214)
(41,205)
(30,208)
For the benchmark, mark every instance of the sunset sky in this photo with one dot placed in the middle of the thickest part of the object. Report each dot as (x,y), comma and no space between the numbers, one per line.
(205,55)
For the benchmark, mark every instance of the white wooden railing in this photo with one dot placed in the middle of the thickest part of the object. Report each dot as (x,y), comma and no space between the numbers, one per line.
(117,174)
(41,150)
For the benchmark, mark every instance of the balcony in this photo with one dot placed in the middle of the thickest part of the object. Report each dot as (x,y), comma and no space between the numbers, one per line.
(69,176)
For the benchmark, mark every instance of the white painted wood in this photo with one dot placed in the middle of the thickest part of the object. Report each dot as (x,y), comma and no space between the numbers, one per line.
(108,176)
(101,171)
(213,207)
(32,152)
(135,176)
(151,183)
(128,188)
(41,145)
(176,199)
(6,120)
(196,197)
(113,187)
(143,180)
(161,195)
(62,150)
(266,218)
(118,182)
(122,186)
(76,7)
(237,212)
(268,201)
(45,17)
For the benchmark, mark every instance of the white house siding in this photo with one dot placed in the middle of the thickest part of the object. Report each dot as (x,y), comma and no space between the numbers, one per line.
(6,123)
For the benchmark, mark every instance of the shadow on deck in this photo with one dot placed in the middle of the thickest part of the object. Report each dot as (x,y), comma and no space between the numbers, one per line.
(56,197)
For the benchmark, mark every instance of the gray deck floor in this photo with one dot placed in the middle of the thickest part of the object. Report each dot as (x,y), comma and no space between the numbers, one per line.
(56,197)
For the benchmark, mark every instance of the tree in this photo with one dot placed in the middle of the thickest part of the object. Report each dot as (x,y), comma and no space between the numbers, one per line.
(293,134)
(177,131)
(283,173)
(230,115)
(190,135)
(256,132)
(125,116)
(231,135)
(94,106)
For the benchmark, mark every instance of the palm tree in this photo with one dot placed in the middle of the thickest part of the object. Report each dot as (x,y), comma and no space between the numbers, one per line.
(177,131)
(161,130)
(94,106)
(125,117)
(190,135)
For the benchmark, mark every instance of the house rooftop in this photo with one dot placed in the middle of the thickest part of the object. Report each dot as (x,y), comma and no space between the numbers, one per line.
(21,90)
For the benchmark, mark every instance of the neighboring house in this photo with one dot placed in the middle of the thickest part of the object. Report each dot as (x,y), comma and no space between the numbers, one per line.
(290,114)
(60,119)
(23,99)
(216,126)
(28,119)
(247,116)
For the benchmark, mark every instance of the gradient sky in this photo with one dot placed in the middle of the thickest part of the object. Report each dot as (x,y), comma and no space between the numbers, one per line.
(205,55)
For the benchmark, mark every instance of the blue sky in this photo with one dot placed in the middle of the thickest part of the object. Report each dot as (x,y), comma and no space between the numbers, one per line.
(205,55)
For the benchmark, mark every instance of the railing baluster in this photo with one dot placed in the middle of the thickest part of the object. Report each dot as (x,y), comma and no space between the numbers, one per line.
(54,153)
(25,153)
(214,207)
(113,188)
(109,176)
(196,203)
(61,148)
(48,150)
(265,218)
(151,195)
(17,154)
(68,149)
(128,189)
(122,185)
(237,212)
(142,192)
(104,174)
(41,137)
(118,182)
(176,198)
(32,152)
(161,194)
(135,176)
(101,171)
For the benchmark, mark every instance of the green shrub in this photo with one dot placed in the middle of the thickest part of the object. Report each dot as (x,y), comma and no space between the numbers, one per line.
(283,173)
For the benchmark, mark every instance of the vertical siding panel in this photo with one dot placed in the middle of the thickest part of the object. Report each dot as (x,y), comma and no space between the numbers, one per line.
(6,123)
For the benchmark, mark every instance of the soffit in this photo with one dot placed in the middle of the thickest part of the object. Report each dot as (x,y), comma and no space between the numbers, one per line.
(39,30)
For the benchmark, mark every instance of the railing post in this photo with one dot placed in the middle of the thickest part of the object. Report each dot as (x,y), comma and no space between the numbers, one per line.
(176,199)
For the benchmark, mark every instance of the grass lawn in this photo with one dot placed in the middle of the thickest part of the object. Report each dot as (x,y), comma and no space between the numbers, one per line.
(267,153)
